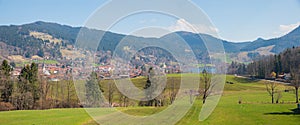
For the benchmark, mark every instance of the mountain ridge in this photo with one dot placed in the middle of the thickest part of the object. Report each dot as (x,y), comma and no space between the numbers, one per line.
(19,36)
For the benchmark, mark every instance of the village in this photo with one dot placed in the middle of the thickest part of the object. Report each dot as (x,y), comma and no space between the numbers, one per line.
(106,69)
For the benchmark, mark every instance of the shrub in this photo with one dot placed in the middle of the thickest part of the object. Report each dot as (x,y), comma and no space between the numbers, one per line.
(6,106)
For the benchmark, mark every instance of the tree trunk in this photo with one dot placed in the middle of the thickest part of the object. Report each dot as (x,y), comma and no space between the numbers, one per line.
(68,98)
(297,98)
(272,98)
(204,98)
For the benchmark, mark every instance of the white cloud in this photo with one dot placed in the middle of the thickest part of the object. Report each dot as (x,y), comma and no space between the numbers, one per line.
(183,25)
(284,29)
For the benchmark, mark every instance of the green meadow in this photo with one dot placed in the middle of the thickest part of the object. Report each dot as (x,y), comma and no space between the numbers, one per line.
(20,64)
(255,108)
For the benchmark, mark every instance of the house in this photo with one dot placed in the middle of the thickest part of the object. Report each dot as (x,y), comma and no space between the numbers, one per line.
(54,69)
(53,78)
(45,71)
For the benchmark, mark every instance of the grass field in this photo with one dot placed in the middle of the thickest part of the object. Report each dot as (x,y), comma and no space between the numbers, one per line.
(18,64)
(255,109)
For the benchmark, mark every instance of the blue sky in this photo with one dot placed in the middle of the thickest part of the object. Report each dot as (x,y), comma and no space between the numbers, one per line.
(234,20)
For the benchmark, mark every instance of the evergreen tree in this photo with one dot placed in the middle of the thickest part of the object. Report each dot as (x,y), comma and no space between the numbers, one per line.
(150,87)
(278,66)
(28,87)
(93,91)
(12,64)
(24,77)
(40,53)
(34,81)
(6,85)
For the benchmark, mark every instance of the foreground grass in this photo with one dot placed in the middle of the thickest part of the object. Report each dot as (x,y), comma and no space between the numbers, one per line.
(45,117)
(255,109)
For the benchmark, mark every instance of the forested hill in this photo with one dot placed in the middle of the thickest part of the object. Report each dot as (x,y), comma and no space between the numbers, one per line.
(287,41)
(29,39)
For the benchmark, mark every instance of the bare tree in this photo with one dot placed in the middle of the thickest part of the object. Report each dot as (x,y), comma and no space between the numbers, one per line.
(271,89)
(278,97)
(123,99)
(295,82)
(57,95)
(44,90)
(62,91)
(70,91)
(160,100)
(295,72)
(172,91)
(206,78)
(70,86)
(111,90)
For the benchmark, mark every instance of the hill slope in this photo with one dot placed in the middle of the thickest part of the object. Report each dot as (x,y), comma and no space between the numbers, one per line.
(287,41)
(28,44)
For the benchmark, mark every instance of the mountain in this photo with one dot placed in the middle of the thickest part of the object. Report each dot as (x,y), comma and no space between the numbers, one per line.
(42,37)
(196,41)
(280,44)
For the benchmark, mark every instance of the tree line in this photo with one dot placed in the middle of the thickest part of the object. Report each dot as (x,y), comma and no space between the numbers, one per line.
(287,62)
(31,90)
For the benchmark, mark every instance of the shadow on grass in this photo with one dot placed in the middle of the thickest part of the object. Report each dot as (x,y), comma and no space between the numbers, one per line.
(295,111)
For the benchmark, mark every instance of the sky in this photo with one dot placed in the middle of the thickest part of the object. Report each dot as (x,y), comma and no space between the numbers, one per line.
(233,20)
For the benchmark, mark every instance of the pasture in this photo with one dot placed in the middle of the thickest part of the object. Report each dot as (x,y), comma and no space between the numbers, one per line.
(255,108)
